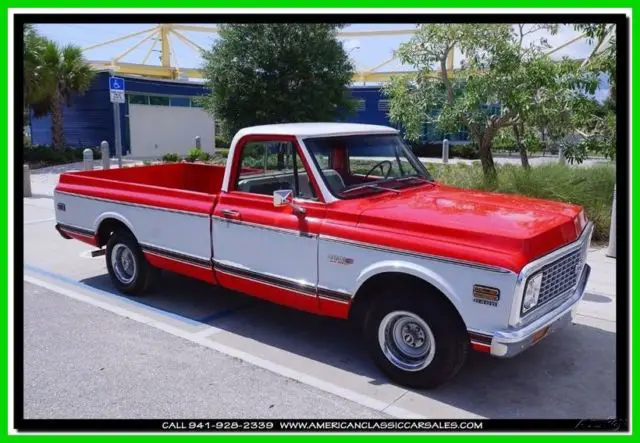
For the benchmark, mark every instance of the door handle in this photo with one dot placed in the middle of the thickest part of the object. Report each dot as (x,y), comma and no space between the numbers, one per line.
(230,213)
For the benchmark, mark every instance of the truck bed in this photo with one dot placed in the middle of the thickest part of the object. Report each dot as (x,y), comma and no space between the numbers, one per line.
(193,177)
(189,187)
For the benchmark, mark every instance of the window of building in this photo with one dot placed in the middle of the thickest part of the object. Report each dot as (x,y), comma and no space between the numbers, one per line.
(361,105)
(158,100)
(383,105)
(138,99)
(180,101)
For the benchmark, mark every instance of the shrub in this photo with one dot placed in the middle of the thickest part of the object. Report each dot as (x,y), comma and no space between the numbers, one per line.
(204,156)
(590,187)
(218,159)
(222,152)
(434,150)
(469,152)
(426,149)
(170,157)
(222,142)
(193,155)
(42,155)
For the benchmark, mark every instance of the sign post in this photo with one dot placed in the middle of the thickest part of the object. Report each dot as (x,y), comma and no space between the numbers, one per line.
(116,94)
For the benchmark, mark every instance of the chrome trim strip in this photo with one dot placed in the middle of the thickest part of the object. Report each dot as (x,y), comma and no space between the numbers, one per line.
(515,319)
(77,230)
(175,255)
(265,227)
(415,254)
(275,279)
(167,257)
(324,292)
(283,282)
(308,291)
(138,205)
(335,300)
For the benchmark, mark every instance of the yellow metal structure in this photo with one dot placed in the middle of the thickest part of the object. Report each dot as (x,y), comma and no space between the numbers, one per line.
(163,33)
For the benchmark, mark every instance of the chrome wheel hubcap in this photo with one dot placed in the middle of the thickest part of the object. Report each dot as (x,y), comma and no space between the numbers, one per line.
(406,340)
(123,263)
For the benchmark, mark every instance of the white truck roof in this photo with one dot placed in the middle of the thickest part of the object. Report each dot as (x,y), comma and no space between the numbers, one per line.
(315,129)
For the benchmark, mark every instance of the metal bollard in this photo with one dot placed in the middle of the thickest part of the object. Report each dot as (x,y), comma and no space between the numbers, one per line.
(26,177)
(611,250)
(198,142)
(561,158)
(106,155)
(445,151)
(87,159)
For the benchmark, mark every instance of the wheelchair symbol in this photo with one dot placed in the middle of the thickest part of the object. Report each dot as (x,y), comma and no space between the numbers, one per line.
(116,83)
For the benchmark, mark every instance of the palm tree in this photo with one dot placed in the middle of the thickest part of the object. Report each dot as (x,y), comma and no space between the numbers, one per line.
(33,47)
(63,72)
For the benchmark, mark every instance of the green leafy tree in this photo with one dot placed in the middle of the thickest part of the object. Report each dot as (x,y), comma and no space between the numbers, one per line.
(557,91)
(62,73)
(597,121)
(530,72)
(277,73)
(603,54)
(471,98)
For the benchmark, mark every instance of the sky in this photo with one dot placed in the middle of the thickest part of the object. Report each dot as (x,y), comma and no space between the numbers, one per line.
(366,52)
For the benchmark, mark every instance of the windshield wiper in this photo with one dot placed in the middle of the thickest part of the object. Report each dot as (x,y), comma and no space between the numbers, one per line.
(416,177)
(373,186)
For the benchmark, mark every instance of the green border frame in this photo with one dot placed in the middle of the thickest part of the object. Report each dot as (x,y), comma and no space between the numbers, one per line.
(489,5)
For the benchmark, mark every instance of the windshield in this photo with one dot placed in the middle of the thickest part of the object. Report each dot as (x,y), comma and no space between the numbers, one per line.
(354,165)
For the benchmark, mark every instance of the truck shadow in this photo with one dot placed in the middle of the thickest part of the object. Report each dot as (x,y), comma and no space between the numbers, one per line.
(568,375)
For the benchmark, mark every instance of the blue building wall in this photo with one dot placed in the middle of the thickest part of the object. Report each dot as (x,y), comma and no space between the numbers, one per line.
(86,123)
(372,109)
(89,120)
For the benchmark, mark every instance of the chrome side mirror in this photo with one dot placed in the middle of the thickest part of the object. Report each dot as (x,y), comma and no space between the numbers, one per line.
(284,197)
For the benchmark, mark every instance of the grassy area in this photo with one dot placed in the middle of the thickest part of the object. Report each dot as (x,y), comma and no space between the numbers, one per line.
(590,187)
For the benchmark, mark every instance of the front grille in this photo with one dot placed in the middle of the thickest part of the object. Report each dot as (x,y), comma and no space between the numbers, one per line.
(561,276)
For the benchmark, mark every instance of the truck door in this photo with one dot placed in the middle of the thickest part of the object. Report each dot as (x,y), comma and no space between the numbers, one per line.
(260,249)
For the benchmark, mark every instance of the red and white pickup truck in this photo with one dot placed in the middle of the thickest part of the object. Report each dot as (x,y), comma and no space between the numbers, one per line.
(342,220)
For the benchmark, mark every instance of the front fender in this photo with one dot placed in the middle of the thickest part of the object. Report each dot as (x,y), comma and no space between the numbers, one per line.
(403,267)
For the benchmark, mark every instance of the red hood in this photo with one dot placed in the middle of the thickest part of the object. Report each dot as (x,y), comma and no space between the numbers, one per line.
(486,225)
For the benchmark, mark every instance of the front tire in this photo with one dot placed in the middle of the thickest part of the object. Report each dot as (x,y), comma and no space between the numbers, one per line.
(128,268)
(417,339)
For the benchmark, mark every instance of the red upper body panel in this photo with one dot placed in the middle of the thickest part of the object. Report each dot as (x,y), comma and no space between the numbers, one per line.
(502,230)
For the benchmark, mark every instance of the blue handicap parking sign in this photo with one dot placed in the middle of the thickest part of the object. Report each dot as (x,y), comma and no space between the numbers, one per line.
(116,83)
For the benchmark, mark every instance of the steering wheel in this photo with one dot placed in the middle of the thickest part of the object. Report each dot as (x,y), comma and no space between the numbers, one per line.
(379,164)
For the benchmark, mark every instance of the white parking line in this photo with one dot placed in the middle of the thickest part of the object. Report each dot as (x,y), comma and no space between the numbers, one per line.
(200,338)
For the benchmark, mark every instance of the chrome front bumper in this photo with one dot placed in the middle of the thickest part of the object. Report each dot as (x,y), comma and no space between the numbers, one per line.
(509,342)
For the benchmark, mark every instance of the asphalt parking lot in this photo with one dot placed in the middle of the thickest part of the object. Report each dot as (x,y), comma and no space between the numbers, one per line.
(190,349)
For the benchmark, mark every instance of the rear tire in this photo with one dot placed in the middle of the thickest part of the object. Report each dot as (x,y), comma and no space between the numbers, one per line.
(417,339)
(129,270)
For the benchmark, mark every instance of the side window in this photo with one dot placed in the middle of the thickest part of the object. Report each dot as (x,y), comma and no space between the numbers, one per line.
(268,166)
